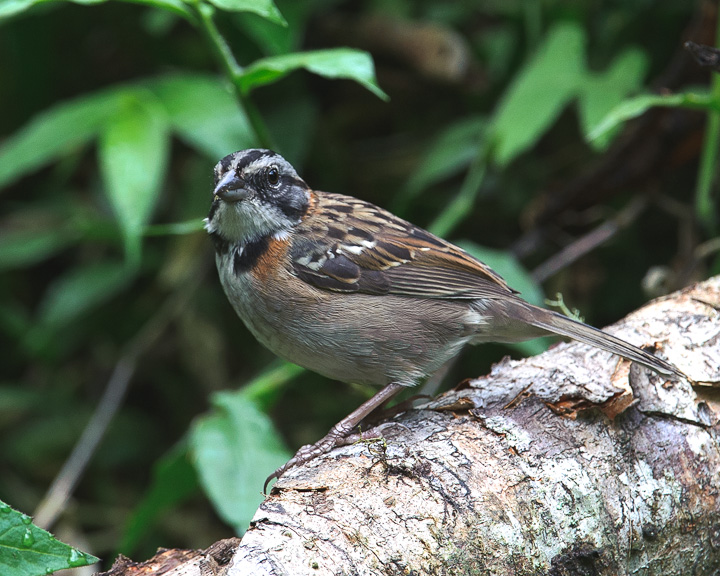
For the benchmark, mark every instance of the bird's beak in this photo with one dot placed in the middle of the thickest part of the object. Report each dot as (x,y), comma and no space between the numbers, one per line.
(231,188)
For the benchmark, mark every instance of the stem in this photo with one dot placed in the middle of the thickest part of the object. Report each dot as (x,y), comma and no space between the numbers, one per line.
(461,205)
(233,71)
(62,488)
(58,495)
(224,55)
(174,228)
(590,241)
(705,210)
(261,132)
(708,163)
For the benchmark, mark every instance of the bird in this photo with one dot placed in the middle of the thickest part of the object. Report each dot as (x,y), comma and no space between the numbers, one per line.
(350,291)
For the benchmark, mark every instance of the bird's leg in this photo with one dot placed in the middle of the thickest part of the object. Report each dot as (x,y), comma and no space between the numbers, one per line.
(338,432)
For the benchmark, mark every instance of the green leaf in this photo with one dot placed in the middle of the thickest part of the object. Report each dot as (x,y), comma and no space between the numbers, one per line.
(54,133)
(204,113)
(600,93)
(174,477)
(271,38)
(11,7)
(234,448)
(177,6)
(173,481)
(451,151)
(540,91)
(26,550)
(265,387)
(264,8)
(634,107)
(80,290)
(133,159)
(20,248)
(334,63)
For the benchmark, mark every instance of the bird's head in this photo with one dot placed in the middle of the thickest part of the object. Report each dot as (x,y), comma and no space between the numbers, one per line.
(257,194)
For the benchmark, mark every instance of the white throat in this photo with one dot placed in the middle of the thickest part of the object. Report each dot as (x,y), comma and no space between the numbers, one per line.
(246,222)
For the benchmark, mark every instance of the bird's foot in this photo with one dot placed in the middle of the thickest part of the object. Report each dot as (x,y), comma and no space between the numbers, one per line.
(336,437)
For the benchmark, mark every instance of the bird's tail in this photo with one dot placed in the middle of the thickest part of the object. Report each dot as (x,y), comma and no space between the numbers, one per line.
(564,326)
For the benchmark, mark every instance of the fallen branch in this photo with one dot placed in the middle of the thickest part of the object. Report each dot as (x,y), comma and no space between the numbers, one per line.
(571,462)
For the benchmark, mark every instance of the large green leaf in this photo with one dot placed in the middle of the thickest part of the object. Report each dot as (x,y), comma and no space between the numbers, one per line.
(58,131)
(133,158)
(333,63)
(10,8)
(234,449)
(271,38)
(204,113)
(264,8)
(26,550)
(274,39)
(177,6)
(540,91)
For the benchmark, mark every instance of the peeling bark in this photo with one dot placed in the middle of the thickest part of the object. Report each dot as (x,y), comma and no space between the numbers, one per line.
(211,562)
(515,474)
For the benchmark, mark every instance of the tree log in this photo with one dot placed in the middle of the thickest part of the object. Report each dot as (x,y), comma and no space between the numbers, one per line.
(569,463)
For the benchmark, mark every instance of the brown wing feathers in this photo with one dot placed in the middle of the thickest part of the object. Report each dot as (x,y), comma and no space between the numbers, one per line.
(403,260)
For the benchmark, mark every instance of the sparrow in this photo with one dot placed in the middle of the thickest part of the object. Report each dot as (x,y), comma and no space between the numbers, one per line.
(357,294)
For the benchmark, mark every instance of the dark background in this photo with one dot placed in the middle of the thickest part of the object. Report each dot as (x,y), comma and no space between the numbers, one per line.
(341,138)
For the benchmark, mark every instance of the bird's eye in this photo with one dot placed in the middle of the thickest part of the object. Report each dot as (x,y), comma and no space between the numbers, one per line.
(273,176)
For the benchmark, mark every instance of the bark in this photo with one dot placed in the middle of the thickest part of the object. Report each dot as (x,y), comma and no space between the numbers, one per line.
(571,462)
(211,562)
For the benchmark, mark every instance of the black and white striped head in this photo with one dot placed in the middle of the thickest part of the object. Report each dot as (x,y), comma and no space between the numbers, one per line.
(257,194)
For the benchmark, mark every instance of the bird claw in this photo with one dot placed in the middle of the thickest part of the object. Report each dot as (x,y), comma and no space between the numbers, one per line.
(305,454)
(339,432)
(322,446)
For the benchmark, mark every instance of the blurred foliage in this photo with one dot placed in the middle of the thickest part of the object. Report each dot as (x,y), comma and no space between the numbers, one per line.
(515,128)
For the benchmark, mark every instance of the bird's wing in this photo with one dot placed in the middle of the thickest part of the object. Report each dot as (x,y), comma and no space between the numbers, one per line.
(358,247)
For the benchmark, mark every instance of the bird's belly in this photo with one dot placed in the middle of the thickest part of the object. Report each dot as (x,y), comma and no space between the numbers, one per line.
(353,337)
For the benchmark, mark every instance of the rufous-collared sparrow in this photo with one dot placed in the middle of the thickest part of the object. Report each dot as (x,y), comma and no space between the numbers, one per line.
(348,290)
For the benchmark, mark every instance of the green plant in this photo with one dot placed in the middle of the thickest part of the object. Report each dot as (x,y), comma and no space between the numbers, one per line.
(106,269)
(26,550)
(132,127)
